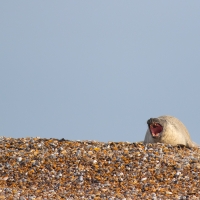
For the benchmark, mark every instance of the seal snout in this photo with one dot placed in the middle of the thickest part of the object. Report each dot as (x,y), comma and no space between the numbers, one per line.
(155,127)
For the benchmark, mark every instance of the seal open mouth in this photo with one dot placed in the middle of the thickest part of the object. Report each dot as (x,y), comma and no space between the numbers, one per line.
(155,129)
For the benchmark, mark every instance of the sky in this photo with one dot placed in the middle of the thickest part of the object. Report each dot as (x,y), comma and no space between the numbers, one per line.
(98,70)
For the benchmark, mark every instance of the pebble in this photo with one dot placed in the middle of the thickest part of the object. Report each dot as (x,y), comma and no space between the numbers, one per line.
(39,168)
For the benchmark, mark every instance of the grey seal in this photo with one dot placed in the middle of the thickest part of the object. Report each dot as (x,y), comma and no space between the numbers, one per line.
(168,130)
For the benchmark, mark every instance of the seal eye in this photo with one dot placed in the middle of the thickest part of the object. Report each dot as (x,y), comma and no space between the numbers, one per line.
(155,129)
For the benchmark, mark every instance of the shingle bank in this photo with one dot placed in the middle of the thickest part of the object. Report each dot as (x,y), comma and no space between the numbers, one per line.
(34,168)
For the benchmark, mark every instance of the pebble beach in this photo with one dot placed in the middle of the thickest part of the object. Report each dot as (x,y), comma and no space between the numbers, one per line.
(49,169)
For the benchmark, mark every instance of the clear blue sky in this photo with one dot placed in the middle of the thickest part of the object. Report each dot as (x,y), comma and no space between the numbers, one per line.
(97,70)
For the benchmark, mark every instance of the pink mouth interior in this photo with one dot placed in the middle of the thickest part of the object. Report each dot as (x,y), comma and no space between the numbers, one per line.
(156,129)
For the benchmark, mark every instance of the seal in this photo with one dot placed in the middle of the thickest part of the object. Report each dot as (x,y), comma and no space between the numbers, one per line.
(168,130)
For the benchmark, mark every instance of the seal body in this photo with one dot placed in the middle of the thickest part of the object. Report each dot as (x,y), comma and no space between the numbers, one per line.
(168,130)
